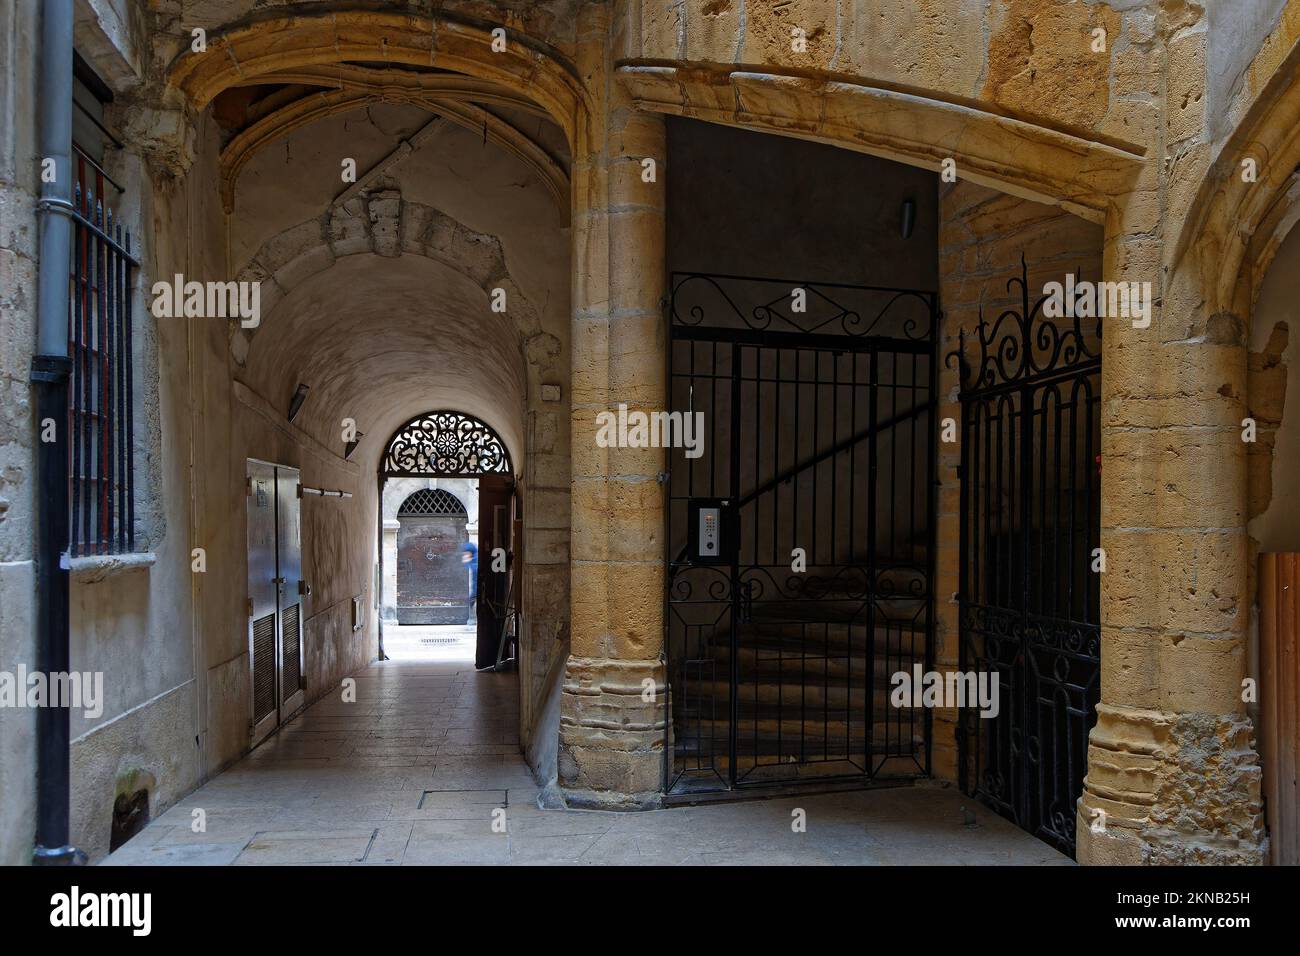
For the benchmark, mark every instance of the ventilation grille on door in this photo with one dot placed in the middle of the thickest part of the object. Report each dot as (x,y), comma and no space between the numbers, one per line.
(292,671)
(263,666)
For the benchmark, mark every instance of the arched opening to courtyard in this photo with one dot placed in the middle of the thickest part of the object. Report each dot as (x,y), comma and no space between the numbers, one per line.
(451,542)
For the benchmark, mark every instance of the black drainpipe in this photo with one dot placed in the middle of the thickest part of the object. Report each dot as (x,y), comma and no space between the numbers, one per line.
(50,371)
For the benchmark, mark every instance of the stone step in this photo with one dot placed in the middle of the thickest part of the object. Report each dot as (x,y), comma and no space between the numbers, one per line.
(835,692)
(816,638)
(791,736)
(785,660)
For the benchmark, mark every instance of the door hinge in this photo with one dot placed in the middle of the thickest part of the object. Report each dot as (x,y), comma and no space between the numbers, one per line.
(248,486)
(250,607)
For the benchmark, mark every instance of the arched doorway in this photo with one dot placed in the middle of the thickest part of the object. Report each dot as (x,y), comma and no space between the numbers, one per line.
(453,542)
(432,586)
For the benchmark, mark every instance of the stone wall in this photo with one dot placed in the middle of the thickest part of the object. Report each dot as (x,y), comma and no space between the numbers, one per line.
(139,626)
(1026,58)
(19,33)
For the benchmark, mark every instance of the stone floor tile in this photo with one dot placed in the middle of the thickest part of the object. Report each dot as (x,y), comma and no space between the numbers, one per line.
(412,771)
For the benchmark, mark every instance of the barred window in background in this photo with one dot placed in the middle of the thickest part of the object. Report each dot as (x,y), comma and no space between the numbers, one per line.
(433,501)
(100,347)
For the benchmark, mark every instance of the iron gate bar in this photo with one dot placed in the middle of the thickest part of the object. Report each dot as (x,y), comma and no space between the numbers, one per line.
(790,473)
(769,339)
(902,580)
(1005,607)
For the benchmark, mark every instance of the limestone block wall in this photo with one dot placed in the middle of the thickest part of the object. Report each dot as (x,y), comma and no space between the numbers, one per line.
(982,235)
(611,730)
(1137,135)
(1023,58)
(1172,762)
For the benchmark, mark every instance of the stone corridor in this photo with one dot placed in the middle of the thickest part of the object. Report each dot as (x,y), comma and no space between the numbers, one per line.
(412,771)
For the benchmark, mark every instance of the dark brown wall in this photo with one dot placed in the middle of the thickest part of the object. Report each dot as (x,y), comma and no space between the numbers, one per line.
(755,204)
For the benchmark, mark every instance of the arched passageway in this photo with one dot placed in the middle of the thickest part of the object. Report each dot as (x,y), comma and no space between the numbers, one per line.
(412,253)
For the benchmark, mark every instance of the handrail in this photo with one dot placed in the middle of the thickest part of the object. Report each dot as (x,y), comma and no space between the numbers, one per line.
(793,470)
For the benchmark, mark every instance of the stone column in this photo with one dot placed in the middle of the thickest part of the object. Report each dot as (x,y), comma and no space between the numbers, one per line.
(612,705)
(1173,777)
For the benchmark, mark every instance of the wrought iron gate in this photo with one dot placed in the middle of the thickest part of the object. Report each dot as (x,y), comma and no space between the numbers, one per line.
(800,534)
(1030,505)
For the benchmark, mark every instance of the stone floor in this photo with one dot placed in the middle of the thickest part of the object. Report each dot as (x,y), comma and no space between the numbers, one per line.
(424,768)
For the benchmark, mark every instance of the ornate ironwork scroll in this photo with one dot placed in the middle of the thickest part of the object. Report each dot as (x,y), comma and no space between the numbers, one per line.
(799,306)
(445,443)
(1024,344)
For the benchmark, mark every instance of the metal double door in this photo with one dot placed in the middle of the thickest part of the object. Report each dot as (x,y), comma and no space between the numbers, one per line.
(275,594)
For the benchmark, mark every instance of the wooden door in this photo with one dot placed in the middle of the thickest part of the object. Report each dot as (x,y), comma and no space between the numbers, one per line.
(1279,686)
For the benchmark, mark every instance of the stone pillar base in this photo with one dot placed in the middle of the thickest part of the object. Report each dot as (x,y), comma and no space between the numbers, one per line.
(611,738)
(1171,789)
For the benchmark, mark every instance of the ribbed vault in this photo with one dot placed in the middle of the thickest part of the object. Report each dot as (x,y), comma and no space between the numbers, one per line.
(455,98)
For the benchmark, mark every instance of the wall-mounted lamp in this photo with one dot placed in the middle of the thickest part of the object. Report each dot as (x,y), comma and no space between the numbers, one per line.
(351,446)
(295,403)
(908,219)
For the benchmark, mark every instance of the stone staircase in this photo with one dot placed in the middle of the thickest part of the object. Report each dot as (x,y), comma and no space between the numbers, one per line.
(807,693)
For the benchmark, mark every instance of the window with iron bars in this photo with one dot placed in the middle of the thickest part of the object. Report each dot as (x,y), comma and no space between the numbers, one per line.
(101,402)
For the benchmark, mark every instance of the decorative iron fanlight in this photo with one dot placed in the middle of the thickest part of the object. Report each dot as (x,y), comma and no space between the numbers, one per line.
(445,443)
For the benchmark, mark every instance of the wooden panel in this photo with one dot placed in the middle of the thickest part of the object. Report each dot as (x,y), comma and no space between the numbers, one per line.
(1279,688)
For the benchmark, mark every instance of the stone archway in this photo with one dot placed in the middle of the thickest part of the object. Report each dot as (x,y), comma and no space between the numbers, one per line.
(444,40)
(1010,155)
(1237,221)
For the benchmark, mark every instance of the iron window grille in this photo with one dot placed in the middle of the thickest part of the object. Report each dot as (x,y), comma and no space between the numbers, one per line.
(431,501)
(100,344)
